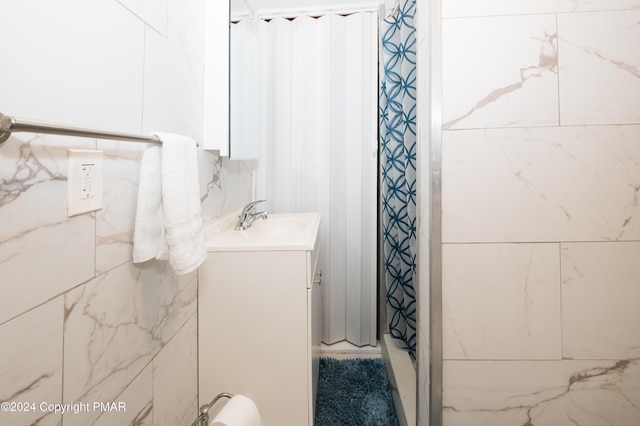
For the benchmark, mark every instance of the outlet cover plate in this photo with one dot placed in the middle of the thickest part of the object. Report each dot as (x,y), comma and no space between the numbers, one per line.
(84,185)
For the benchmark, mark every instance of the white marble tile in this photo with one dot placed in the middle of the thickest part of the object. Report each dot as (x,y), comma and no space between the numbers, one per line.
(82,63)
(246,175)
(31,354)
(114,326)
(73,62)
(173,88)
(599,300)
(501,301)
(42,252)
(599,70)
(496,393)
(541,184)
(471,8)
(138,403)
(187,26)
(213,196)
(229,188)
(175,378)
(499,72)
(115,222)
(153,12)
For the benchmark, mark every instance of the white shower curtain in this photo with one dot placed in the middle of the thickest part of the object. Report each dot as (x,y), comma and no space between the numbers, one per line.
(318,145)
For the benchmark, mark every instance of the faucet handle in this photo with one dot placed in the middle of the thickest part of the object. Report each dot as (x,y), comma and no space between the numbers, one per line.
(252,205)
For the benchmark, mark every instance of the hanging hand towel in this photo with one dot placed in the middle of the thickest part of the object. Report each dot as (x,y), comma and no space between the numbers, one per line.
(179,207)
(148,236)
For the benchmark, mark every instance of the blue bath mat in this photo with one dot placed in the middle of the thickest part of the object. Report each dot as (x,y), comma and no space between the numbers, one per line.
(354,392)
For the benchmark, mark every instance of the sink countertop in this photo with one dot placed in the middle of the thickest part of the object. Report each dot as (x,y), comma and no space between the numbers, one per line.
(291,231)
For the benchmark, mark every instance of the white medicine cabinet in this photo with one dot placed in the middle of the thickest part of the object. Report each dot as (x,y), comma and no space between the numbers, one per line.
(231,86)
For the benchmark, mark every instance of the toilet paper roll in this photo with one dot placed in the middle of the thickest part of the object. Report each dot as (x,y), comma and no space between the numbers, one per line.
(239,411)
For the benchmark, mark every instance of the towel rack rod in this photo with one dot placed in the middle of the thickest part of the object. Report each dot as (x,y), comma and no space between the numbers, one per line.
(10,124)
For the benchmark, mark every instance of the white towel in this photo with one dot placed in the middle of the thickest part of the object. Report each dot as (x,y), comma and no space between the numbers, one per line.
(149,240)
(168,216)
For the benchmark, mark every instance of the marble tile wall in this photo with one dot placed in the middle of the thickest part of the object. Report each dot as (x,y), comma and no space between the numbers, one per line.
(79,322)
(541,234)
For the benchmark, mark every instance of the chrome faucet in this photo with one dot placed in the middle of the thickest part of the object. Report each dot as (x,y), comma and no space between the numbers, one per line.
(249,215)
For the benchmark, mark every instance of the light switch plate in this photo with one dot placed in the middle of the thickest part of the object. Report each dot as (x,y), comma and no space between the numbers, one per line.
(84,186)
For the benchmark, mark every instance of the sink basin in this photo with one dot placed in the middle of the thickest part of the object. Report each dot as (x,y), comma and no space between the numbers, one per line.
(276,226)
(295,231)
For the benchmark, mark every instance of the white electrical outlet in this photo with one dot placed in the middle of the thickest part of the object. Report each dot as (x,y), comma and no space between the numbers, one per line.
(84,187)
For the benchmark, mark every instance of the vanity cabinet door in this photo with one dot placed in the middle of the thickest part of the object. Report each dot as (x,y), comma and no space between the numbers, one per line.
(254,315)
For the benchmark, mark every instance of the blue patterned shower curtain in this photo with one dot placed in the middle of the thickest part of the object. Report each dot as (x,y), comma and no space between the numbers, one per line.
(398,168)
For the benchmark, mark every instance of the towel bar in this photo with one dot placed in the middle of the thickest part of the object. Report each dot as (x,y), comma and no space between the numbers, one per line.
(203,418)
(10,124)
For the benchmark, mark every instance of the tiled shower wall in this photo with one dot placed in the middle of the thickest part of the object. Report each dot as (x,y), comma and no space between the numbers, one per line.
(79,322)
(541,212)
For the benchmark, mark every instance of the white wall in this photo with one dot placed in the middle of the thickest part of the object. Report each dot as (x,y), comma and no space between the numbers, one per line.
(74,310)
(541,123)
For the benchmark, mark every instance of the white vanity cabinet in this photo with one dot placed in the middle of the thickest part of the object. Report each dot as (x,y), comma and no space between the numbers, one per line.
(259,329)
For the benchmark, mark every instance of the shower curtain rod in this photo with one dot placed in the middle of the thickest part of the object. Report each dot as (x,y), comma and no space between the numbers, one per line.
(10,124)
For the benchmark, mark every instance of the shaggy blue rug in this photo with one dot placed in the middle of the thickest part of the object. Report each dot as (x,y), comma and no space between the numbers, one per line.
(354,392)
